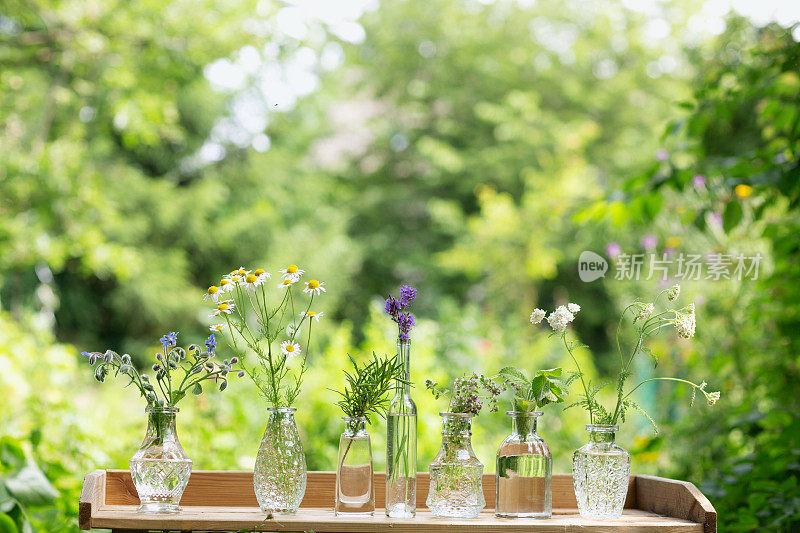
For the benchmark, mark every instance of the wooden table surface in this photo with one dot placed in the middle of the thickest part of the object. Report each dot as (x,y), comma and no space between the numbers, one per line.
(225,501)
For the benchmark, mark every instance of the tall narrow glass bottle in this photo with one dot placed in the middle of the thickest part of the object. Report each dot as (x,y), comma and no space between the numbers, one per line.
(401,445)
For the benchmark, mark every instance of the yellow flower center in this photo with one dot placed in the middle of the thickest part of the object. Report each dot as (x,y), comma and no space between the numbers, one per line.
(743,191)
(224,282)
(289,348)
(291,269)
(313,284)
(287,282)
(259,271)
(311,313)
(212,289)
(222,307)
(235,279)
(251,278)
(242,272)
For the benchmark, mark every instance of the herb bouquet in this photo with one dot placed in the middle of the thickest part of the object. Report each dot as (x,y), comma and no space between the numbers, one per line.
(456,488)
(601,468)
(366,393)
(264,325)
(161,468)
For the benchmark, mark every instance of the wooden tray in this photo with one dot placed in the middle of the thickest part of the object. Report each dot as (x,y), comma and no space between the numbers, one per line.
(225,501)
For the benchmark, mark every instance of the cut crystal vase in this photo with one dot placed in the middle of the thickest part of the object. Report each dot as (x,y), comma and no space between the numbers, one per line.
(456,488)
(524,471)
(279,476)
(161,468)
(600,471)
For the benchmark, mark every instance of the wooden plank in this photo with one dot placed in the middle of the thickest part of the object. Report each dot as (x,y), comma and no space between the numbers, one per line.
(235,489)
(680,499)
(93,496)
(322,520)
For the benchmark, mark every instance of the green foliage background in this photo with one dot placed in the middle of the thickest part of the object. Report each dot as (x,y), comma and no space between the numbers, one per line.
(472,150)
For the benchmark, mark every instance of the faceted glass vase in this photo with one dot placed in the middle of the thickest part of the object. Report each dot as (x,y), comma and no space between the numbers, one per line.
(524,471)
(355,490)
(161,468)
(401,445)
(279,476)
(600,471)
(456,488)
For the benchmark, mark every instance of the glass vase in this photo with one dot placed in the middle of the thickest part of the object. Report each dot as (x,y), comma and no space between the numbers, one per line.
(600,471)
(456,488)
(161,468)
(355,490)
(401,445)
(279,476)
(524,471)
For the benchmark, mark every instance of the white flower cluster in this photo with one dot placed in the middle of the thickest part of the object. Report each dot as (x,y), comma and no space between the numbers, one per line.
(674,292)
(558,319)
(685,323)
(561,317)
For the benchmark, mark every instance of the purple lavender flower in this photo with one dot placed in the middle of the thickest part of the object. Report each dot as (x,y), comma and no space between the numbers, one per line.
(406,322)
(649,242)
(698,181)
(613,249)
(407,295)
(392,307)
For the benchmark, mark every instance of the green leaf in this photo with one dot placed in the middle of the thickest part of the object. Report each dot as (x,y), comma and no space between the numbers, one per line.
(11,453)
(515,376)
(550,372)
(30,486)
(197,389)
(732,216)
(177,395)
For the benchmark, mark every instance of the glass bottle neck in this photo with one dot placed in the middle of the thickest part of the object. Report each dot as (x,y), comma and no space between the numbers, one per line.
(524,424)
(161,423)
(355,427)
(600,434)
(456,425)
(404,354)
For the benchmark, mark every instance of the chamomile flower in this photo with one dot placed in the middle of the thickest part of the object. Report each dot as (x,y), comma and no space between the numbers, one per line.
(290,349)
(286,283)
(225,285)
(213,293)
(251,281)
(314,287)
(312,314)
(216,327)
(225,307)
(537,315)
(291,272)
(262,274)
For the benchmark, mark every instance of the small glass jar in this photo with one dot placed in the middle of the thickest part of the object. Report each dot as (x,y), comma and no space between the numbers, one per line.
(456,487)
(355,489)
(279,476)
(524,471)
(161,468)
(600,472)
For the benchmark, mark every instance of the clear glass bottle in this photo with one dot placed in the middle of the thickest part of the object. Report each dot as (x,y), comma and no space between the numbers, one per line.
(401,445)
(456,488)
(600,472)
(355,490)
(279,476)
(524,471)
(161,468)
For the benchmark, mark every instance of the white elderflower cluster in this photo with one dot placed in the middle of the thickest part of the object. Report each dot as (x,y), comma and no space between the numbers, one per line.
(537,315)
(560,318)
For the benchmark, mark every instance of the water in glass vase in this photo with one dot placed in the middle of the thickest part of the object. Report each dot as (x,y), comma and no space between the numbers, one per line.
(522,486)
